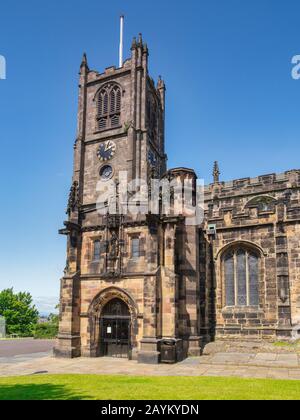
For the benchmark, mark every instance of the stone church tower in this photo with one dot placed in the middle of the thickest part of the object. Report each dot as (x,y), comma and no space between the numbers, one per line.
(150,286)
(120,294)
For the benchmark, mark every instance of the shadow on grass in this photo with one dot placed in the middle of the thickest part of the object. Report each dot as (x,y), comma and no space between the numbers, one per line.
(38,392)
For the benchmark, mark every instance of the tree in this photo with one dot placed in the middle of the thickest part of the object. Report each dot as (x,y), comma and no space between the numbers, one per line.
(20,314)
(47,330)
(54,318)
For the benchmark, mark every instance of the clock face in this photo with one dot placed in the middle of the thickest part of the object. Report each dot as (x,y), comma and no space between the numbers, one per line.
(106,151)
(106,172)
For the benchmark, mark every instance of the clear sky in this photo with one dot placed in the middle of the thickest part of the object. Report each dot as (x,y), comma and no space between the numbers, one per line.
(230,97)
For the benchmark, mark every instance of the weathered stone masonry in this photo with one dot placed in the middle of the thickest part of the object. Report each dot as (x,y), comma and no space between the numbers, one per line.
(237,276)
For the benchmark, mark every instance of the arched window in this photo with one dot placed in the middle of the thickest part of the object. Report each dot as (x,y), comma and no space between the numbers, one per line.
(109,107)
(262,203)
(241,277)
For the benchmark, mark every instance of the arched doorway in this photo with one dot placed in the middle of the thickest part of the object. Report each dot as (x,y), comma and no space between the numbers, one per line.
(115,329)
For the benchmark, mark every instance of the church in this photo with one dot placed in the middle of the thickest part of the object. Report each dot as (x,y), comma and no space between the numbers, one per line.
(153,288)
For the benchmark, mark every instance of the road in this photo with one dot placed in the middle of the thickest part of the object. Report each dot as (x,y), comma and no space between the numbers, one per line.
(12,348)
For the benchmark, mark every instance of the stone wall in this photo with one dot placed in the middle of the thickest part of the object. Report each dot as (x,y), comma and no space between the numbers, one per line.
(262,214)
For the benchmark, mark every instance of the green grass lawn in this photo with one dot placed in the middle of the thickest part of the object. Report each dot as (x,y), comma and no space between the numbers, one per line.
(94,387)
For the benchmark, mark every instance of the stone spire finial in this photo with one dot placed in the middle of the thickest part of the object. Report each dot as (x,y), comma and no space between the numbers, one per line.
(140,42)
(84,62)
(216,173)
(160,83)
(145,48)
(133,45)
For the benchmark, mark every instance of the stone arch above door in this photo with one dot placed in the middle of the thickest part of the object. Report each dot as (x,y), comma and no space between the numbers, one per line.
(108,294)
(95,311)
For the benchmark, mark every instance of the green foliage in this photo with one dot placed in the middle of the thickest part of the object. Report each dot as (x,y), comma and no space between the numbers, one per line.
(47,330)
(53,319)
(283,344)
(19,312)
(293,345)
(94,387)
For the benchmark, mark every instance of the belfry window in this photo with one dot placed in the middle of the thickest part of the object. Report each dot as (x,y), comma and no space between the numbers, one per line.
(109,107)
(241,277)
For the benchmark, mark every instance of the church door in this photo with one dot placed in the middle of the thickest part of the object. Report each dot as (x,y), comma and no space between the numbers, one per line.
(115,329)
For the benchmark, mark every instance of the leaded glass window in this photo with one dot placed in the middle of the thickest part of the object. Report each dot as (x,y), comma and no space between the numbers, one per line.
(135,248)
(229,279)
(241,273)
(97,250)
(253,279)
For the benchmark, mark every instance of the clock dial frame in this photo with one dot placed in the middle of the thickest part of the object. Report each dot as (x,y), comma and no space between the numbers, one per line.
(106,172)
(106,151)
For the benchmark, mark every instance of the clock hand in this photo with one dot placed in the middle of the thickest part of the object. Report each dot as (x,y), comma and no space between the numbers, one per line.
(108,147)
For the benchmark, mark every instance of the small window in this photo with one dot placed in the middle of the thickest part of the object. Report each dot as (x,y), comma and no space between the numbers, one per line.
(135,248)
(97,250)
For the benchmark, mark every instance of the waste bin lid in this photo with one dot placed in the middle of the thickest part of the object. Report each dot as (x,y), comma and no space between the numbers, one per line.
(169,342)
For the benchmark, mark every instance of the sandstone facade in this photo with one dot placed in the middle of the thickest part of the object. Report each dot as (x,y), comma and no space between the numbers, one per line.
(236,275)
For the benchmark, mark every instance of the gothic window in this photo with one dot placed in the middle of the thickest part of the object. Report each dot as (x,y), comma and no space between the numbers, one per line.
(241,275)
(135,247)
(97,250)
(109,107)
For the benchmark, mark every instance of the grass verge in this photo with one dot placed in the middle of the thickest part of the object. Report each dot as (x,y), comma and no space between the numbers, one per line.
(95,387)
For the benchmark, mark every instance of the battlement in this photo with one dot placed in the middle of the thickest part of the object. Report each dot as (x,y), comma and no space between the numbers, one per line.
(111,71)
(268,182)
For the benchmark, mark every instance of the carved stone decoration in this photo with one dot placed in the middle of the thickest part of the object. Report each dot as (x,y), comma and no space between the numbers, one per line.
(216,173)
(283,289)
(67,267)
(113,221)
(283,295)
(73,201)
(114,247)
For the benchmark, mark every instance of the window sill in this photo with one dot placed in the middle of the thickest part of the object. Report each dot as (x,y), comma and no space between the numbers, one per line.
(266,212)
(245,309)
(108,129)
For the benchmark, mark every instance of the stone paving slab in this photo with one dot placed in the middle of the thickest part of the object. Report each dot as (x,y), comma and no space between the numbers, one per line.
(284,360)
(267,357)
(108,366)
(23,358)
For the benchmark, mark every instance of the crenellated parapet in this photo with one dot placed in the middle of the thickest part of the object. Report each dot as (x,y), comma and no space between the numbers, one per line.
(253,199)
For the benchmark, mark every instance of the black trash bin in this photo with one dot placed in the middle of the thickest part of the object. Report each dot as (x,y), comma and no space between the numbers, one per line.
(168,351)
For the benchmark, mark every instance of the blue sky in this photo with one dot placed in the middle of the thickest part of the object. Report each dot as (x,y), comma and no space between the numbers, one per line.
(230,97)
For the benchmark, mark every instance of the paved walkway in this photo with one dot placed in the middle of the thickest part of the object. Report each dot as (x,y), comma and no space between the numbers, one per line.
(272,360)
(29,357)
(218,365)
